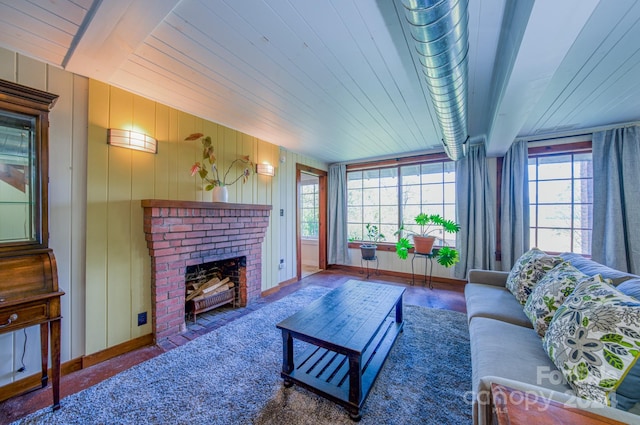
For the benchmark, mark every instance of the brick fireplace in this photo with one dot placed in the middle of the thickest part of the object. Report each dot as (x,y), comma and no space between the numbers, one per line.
(187,233)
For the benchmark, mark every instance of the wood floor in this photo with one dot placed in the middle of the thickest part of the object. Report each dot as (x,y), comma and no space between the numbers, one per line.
(443,296)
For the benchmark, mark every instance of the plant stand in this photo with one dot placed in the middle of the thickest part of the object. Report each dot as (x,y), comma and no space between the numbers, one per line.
(364,262)
(428,265)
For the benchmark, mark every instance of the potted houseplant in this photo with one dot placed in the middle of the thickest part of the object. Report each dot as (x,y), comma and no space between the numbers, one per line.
(211,179)
(368,247)
(424,239)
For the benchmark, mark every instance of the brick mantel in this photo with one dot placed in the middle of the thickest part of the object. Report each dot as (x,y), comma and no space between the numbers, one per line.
(186,233)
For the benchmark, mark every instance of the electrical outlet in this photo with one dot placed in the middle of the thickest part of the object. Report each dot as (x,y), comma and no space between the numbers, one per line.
(142,318)
(281,212)
(282,264)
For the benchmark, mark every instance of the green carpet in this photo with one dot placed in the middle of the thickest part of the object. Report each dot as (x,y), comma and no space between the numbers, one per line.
(232,376)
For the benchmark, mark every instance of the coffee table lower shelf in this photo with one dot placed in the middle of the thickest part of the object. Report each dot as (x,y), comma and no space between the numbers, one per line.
(327,372)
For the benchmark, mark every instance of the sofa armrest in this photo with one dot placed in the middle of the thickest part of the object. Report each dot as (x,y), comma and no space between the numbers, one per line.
(488,277)
(483,405)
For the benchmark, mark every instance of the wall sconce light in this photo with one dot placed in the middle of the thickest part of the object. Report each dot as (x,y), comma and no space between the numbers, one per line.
(132,140)
(265,169)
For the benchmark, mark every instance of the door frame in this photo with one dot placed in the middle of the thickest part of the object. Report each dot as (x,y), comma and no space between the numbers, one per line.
(322,217)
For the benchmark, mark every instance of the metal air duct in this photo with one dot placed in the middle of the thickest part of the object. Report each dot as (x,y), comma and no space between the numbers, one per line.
(440,31)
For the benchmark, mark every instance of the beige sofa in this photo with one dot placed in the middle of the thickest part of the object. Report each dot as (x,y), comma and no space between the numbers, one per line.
(505,349)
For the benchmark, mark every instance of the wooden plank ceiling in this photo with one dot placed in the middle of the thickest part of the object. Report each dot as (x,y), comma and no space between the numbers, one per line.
(338,80)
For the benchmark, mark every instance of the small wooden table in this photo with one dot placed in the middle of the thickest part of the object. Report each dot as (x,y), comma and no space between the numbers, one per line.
(351,333)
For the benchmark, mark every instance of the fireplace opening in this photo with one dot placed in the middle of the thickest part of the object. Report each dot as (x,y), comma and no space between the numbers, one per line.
(213,284)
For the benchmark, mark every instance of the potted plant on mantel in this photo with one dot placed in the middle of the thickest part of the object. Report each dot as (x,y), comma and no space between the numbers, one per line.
(217,185)
(424,240)
(368,248)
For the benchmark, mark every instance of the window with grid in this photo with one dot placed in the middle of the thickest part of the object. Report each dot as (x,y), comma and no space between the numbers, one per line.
(561,202)
(391,196)
(309,210)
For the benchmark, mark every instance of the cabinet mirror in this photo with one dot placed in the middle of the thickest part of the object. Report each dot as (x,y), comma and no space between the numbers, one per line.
(23,167)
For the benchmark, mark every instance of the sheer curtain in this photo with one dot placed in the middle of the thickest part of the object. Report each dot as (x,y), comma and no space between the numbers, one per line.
(337,243)
(616,198)
(476,239)
(514,199)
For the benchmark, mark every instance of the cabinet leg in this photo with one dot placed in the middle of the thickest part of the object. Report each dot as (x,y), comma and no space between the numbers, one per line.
(44,352)
(55,362)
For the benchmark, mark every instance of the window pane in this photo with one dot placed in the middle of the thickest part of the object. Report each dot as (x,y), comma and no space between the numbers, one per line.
(371,214)
(449,171)
(533,218)
(554,240)
(432,173)
(533,191)
(389,177)
(583,165)
(410,174)
(554,167)
(389,195)
(355,231)
(410,195)
(583,190)
(354,180)
(582,241)
(533,175)
(553,192)
(582,216)
(554,216)
(371,178)
(389,215)
(432,194)
(450,193)
(371,196)
(354,214)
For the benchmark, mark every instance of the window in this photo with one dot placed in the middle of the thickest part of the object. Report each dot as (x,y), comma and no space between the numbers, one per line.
(561,201)
(389,196)
(309,210)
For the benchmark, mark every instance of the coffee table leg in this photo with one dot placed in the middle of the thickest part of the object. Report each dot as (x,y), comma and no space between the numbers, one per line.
(355,386)
(399,317)
(287,356)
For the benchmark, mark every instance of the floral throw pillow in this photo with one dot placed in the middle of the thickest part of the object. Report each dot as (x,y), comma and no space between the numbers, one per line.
(529,268)
(550,293)
(594,338)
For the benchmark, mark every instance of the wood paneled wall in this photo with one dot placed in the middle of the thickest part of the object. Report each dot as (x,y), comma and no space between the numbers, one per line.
(67,200)
(118,264)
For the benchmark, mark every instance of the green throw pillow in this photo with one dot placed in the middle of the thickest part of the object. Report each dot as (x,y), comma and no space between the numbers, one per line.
(529,268)
(594,338)
(549,294)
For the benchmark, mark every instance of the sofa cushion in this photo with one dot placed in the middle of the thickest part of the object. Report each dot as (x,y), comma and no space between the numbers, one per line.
(550,293)
(594,338)
(511,352)
(494,302)
(526,272)
(592,268)
(630,287)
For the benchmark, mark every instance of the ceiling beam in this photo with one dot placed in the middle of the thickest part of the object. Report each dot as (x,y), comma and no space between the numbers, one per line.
(549,32)
(112,33)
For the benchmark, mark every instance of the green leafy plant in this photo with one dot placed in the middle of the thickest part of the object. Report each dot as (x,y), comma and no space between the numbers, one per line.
(213,180)
(373,234)
(429,223)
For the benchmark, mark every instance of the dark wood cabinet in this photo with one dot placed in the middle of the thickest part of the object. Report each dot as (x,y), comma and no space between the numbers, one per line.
(29,292)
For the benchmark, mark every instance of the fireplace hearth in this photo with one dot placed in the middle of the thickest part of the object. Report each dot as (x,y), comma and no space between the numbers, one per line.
(182,234)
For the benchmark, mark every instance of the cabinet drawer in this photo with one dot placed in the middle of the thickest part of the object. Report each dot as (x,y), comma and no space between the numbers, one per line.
(26,315)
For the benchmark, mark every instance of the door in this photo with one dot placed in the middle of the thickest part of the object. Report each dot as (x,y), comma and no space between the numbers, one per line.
(311,220)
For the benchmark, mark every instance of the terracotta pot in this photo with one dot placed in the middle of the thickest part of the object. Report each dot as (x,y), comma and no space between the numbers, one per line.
(423,244)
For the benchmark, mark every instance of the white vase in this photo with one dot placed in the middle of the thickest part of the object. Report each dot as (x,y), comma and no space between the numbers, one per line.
(220,194)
